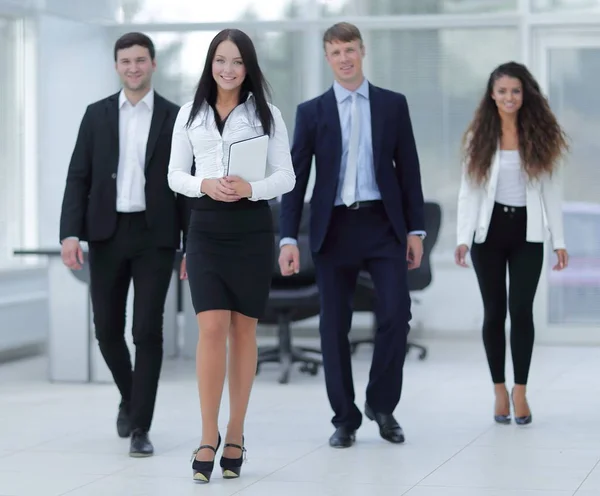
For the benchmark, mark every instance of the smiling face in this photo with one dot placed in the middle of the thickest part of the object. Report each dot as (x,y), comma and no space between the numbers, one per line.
(228,67)
(508,94)
(345,59)
(135,67)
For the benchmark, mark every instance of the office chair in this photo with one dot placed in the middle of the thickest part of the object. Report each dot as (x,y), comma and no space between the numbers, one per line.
(291,299)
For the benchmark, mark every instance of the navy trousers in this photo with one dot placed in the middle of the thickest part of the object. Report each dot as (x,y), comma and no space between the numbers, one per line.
(358,240)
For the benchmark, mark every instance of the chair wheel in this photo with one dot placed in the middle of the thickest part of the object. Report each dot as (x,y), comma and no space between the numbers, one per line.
(422,355)
(310,368)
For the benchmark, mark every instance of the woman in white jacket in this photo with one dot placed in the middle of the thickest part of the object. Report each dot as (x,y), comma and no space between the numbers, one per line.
(510,197)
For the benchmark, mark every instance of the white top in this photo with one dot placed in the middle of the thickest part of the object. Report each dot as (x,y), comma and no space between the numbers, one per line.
(543,202)
(134,128)
(512,183)
(210,149)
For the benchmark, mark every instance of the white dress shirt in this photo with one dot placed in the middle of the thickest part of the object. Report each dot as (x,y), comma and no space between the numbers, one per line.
(134,127)
(203,142)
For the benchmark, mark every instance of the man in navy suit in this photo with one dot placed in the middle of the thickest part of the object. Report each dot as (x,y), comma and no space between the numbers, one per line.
(366,214)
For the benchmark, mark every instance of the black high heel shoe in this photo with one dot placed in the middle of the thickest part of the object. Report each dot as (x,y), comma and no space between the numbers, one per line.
(203,470)
(232,467)
(527,419)
(503,419)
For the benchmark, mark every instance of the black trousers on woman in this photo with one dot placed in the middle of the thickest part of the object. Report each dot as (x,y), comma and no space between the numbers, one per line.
(506,246)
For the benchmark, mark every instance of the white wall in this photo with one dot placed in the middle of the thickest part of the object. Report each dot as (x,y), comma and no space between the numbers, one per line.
(75,68)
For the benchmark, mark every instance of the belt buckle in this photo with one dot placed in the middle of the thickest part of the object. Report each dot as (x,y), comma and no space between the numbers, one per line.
(354,206)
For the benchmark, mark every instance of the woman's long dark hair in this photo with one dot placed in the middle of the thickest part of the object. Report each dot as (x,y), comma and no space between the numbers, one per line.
(254,81)
(541,139)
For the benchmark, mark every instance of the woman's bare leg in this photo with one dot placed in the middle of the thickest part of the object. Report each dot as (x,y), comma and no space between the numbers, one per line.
(242,370)
(211,360)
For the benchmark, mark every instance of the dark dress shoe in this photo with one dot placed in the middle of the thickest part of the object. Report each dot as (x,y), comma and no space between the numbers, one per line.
(140,444)
(389,429)
(123,421)
(343,437)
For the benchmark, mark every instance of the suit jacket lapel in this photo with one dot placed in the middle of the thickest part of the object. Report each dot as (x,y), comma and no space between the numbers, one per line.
(378,114)
(112,114)
(112,117)
(332,123)
(158,116)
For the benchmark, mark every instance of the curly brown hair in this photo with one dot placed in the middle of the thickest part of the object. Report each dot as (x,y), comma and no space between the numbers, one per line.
(542,142)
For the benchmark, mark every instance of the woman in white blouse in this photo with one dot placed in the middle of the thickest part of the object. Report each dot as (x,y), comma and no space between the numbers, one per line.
(230,242)
(510,197)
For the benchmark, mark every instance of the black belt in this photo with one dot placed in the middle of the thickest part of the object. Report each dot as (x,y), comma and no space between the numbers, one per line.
(363,204)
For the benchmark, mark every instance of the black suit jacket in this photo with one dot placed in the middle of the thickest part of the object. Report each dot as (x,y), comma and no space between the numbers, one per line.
(397,170)
(90,198)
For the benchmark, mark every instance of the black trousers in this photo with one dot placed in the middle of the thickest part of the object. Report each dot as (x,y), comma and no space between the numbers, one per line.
(506,245)
(128,255)
(362,240)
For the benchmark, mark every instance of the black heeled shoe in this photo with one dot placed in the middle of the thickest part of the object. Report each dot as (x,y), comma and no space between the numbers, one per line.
(203,470)
(526,419)
(232,467)
(503,419)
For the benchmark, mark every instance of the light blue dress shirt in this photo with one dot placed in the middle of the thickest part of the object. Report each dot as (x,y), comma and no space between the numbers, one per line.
(366,184)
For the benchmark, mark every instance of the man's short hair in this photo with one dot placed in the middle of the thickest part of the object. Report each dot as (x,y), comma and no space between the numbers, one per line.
(130,39)
(342,31)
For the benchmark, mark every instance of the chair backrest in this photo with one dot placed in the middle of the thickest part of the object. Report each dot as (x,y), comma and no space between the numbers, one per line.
(420,278)
(307,274)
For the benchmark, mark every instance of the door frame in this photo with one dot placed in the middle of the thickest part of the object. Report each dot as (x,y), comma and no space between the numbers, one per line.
(543,40)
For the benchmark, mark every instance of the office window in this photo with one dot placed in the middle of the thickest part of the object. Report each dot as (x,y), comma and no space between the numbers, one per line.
(10,140)
(413,7)
(147,11)
(564,5)
(443,83)
(181,57)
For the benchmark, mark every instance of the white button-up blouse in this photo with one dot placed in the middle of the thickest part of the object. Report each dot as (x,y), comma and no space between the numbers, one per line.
(203,142)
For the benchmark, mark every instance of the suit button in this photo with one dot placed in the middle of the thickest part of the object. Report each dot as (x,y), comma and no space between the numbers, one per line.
(113,175)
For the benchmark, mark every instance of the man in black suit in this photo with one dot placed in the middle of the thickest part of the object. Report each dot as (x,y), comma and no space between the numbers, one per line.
(117,198)
(367,213)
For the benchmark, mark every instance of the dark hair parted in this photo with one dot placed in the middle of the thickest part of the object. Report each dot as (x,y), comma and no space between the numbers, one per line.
(541,139)
(130,39)
(342,31)
(254,82)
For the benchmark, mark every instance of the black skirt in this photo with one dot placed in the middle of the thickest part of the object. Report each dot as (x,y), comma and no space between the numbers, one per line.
(230,256)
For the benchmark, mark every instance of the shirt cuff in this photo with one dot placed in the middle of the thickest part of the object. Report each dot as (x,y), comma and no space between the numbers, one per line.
(417,233)
(288,241)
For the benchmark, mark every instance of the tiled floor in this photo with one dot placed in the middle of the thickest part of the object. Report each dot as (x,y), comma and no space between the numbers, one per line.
(58,439)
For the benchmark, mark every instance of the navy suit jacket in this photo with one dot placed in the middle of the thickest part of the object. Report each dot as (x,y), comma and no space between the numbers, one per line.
(397,171)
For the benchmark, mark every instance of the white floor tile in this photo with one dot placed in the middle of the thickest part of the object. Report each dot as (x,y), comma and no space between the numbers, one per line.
(453,447)
(479,491)
(32,483)
(349,488)
(510,468)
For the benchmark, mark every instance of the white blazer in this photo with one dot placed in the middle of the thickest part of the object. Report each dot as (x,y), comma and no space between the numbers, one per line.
(544,208)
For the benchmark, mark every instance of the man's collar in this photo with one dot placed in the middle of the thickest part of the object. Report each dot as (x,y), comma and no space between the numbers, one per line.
(342,93)
(148,99)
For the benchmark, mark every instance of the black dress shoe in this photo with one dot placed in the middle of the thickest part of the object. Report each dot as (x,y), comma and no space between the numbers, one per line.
(140,444)
(389,429)
(343,437)
(123,421)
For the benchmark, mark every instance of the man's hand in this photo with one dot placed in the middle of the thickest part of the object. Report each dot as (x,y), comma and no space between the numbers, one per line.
(414,251)
(71,254)
(242,188)
(289,260)
(183,269)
